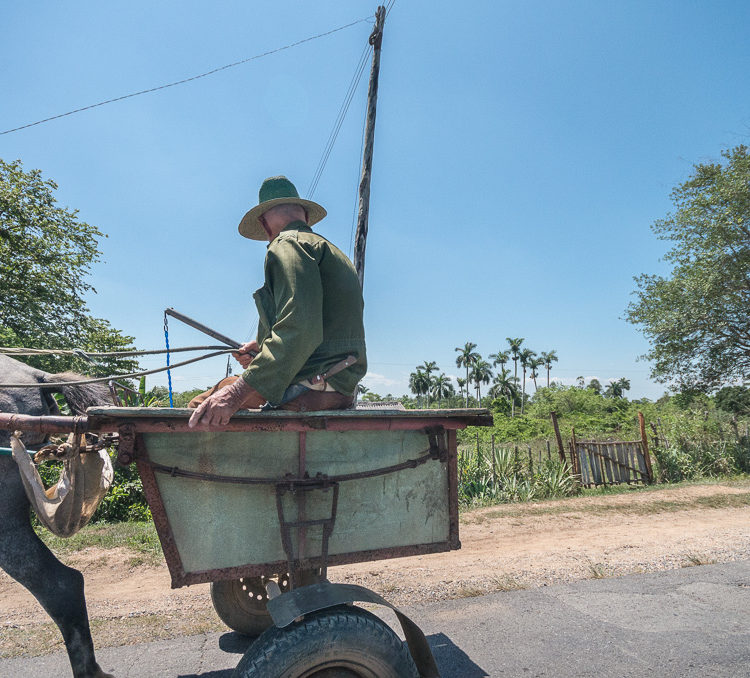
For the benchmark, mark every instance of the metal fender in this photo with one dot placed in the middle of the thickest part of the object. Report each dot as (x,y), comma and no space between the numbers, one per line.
(287,607)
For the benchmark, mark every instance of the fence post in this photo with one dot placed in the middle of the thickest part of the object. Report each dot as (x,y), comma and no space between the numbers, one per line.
(531,463)
(558,437)
(574,450)
(644,442)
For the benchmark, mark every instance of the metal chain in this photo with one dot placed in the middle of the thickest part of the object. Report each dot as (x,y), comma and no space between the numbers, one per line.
(169,372)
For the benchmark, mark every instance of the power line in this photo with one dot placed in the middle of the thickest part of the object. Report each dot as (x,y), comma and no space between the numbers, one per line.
(343,109)
(181,82)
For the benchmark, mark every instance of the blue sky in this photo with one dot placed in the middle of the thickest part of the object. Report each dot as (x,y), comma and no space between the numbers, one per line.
(522,151)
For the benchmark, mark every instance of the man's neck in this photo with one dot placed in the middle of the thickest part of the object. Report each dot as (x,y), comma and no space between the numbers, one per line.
(278,229)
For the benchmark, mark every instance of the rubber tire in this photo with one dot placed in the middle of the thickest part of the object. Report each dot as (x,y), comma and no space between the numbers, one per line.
(340,642)
(238,609)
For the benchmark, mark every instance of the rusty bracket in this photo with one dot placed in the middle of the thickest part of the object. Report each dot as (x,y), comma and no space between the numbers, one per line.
(304,485)
(438,443)
(126,448)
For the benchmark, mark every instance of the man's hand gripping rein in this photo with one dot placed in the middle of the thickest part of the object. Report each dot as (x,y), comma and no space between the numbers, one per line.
(215,411)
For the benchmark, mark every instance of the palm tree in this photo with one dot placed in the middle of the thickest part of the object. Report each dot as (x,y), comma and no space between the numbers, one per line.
(503,385)
(515,347)
(534,365)
(500,358)
(617,388)
(525,357)
(418,383)
(548,357)
(442,387)
(361,390)
(428,368)
(467,358)
(481,373)
(461,385)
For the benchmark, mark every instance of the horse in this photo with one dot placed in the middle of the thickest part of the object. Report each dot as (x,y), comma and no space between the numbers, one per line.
(58,588)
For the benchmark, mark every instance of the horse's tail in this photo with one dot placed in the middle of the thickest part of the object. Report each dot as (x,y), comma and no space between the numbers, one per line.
(79,396)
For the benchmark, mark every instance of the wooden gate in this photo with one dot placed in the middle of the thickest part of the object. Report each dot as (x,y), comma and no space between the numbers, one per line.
(611,462)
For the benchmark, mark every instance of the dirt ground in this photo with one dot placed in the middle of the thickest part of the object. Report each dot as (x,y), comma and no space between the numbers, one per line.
(503,548)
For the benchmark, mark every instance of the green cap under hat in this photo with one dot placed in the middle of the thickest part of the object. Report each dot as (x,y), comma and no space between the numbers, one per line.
(277,191)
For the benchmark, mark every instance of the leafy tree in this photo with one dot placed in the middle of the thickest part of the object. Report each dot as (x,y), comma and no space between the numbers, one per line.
(548,357)
(442,387)
(467,358)
(46,254)
(734,399)
(525,357)
(697,319)
(595,385)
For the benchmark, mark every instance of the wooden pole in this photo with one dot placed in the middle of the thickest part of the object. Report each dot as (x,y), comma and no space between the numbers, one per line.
(558,437)
(574,450)
(360,239)
(644,442)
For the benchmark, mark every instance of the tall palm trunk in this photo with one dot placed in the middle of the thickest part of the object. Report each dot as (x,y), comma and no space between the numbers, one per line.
(467,386)
(513,400)
(523,392)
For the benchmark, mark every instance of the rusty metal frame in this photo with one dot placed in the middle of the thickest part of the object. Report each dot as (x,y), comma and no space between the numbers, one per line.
(182,578)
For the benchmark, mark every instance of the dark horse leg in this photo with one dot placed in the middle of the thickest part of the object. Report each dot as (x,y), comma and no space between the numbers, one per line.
(58,588)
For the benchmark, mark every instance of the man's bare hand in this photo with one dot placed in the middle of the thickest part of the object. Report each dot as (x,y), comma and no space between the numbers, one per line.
(242,354)
(215,411)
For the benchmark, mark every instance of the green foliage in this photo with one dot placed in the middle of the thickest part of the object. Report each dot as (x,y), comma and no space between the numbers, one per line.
(182,398)
(46,254)
(506,476)
(697,320)
(734,399)
(125,501)
(698,442)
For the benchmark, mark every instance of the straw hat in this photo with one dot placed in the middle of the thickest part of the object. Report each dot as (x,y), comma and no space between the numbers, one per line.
(276,191)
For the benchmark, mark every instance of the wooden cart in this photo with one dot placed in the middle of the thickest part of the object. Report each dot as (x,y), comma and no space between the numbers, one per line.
(262,508)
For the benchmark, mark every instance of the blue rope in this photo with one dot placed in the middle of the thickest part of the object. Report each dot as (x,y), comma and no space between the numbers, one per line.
(169,372)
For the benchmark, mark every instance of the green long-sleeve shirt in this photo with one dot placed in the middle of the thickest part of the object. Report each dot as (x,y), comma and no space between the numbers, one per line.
(310,315)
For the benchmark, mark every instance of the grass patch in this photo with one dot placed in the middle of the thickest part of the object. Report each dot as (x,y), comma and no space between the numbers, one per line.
(693,559)
(138,537)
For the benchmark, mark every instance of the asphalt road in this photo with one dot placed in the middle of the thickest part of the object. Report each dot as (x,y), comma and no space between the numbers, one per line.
(683,623)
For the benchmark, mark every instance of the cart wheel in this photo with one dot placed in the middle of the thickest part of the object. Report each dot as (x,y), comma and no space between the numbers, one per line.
(341,642)
(241,603)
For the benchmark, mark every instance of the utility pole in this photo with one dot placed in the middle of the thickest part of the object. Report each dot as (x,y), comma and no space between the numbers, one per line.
(360,239)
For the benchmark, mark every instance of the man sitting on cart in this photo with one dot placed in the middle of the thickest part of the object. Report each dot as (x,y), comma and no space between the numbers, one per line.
(310,350)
